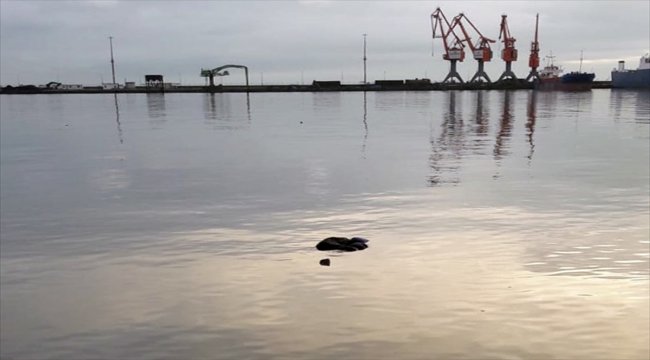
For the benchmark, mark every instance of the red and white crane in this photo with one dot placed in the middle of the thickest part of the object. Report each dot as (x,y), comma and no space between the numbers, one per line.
(533,60)
(481,50)
(452,43)
(509,52)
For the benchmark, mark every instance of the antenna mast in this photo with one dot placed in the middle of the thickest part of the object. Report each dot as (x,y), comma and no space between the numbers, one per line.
(110,39)
(580,70)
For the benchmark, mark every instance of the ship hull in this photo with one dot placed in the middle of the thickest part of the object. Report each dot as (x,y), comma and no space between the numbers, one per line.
(573,81)
(635,79)
(560,86)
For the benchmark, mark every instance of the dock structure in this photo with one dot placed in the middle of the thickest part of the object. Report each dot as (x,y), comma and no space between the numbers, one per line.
(316,86)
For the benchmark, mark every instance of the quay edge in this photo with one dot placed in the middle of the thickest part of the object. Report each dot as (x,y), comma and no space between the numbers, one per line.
(315,87)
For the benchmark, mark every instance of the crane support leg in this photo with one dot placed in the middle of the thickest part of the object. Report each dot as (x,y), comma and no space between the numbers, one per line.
(453,73)
(508,74)
(533,75)
(480,73)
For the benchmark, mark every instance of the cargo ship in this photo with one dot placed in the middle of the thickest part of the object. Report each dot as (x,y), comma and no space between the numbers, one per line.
(639,78)
(550,79)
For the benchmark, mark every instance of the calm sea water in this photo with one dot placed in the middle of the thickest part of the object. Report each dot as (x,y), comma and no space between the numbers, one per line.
(502,225)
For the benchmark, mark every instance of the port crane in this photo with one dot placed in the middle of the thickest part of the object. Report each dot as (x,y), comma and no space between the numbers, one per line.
(216,72)
(481,50)
(533,59)
(454,52)
(509,52)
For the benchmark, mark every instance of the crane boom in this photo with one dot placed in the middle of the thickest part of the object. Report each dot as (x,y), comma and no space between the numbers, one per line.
(453,51)
(215,72)
(481,48)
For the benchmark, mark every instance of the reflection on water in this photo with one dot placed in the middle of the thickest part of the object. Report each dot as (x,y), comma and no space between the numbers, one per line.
(505,128)
(448,148)
(365,124)
(456,142)
(218,109)
(211,106)
(156,108)
(577,102)
(625,102)
(642,107)
(327,101)
(482,116)
(198,237)
(531,116)
(117,119)
(248,106)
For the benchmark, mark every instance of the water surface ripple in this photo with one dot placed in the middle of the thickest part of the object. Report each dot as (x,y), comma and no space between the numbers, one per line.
(502,225)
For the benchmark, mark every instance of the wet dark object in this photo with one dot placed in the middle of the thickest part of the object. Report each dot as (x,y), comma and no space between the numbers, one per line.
(342,244)
(325,262)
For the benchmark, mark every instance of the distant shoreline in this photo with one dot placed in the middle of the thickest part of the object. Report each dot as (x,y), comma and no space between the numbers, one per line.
(316,87)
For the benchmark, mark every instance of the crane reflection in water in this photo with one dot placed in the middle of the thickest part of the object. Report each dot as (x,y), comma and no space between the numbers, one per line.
(447,151)
(217,110)
(482,125)
(505,129)
(210,106)
(531,117)
(460,141)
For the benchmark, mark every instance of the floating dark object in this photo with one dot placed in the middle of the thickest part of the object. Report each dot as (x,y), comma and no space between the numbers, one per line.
(342,244)
(325,262)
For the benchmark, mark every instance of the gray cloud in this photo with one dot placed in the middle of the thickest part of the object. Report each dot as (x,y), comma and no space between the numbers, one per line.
(287,41)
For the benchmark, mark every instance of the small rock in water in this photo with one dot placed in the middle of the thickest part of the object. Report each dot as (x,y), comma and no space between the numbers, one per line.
(342,244)
(325,262)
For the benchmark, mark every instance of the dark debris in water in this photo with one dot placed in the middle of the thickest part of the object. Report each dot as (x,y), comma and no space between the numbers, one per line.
(342,244)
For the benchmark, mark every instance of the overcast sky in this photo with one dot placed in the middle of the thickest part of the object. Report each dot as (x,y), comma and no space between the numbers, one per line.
(285,42)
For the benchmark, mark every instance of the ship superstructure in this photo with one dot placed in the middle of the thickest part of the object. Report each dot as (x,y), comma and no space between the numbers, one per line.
(639,78)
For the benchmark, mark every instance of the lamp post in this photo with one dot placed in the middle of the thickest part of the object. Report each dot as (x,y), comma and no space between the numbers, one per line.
(110,39)
(364,59)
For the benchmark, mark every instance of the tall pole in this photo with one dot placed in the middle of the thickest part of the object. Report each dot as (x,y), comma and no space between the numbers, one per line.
(110,38)
(364,59)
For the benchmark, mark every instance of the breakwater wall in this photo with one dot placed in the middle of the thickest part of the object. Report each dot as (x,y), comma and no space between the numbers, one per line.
(317,86)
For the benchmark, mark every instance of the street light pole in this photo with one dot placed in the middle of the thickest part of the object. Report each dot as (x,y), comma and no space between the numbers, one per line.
(364,59)
(110,38)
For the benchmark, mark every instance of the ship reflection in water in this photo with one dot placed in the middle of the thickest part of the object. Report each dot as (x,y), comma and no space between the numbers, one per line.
(625,101)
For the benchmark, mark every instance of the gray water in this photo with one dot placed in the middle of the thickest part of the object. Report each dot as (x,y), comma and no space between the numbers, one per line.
(502,225)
